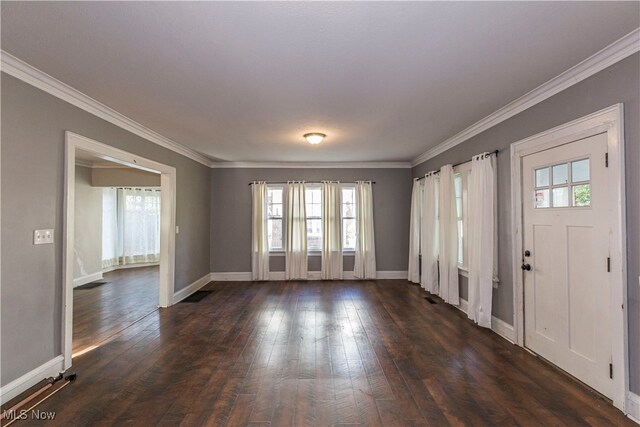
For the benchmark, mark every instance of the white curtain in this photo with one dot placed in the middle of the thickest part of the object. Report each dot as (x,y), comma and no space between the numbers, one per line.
(331,231)
(481,238)
(259,240)
(296,235)
(429,241)
(448,259)
(414,232)
(131,226)
(365,259)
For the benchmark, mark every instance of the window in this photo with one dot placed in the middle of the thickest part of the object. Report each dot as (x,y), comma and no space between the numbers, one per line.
(349,218)
(563,185)
(461,184)
(274,218)
(313,196)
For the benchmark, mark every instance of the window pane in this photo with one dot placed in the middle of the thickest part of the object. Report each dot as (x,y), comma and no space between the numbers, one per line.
(542,198)
(275,210)
(349,233)
(275,195)
(347,195)
(274,234)
(561,197)
(560,174)
(458,185)
(580,170)
(582,195)
(314,234)
(459,207)
(542,177)
(460,243)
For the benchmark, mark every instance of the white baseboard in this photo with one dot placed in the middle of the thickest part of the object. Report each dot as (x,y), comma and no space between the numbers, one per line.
(632,408)
(498,326)
(87,279)
(125,266)
(195,286)
(49,369)
(312,275)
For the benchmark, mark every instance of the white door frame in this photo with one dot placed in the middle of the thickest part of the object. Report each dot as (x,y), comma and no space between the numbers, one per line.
(167,224)
(609,120)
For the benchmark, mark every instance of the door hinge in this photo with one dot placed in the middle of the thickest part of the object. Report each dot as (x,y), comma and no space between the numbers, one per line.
(608,264)
(606,160)
(611,370)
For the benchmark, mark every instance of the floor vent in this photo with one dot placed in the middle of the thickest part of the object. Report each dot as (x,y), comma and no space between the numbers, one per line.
(197,296)
(431,300)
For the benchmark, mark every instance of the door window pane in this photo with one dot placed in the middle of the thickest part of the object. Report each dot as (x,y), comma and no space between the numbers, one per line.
(561,174)
(542,177)
(561,197)
(580,170)
(582,195)
(542,198)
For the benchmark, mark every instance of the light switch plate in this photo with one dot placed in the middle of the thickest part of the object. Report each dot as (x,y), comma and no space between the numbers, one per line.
(43,237)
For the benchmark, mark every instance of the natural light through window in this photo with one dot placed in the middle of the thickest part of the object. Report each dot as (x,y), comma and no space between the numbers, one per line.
(458,189)
(274,218)
(348,218)
(313,196)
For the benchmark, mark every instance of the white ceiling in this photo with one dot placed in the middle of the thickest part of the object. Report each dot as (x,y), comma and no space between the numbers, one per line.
(243,81)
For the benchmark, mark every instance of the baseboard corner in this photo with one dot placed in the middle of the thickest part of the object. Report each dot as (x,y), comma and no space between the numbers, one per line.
(83,280)
(632,408)
(190,289)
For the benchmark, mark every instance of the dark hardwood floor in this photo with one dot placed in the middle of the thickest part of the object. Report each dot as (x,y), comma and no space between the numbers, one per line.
(318,353)
(100,312)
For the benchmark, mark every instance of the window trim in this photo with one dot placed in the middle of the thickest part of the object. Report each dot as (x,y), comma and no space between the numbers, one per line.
(464,170)
(314,186)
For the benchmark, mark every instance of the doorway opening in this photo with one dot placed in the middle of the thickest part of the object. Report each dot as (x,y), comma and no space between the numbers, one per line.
(569,250)
(119,242)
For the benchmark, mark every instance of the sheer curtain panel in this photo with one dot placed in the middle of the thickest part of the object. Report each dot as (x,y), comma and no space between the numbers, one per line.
(332,231)
(414,232)
(259,241)
(429,234)
(481,243)
(130,226)
(448,259)
(296,235)
(365,259)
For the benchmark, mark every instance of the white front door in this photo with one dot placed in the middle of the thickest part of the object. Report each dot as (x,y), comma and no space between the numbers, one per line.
(565,260)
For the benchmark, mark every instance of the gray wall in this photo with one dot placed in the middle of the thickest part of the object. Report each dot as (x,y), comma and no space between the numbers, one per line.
(88,225)
(619,83)
(231,214)
(33,125)
(124,177)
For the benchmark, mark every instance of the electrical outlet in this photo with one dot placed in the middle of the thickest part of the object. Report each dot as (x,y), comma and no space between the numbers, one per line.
(43,237)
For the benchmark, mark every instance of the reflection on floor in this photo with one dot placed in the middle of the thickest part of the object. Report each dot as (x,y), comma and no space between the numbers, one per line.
(101,311)
(368,353)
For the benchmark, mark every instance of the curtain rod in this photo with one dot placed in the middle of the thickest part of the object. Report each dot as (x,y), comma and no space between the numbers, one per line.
(310,182)
(495,152)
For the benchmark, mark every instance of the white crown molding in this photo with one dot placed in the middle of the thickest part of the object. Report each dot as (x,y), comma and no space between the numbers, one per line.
(615,52)
(312,165)
(39,79)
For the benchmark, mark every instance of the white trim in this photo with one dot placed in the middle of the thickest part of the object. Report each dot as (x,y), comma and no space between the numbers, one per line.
(79,281)
(48,369)
(312,275)
(609,120)
(498,326)
(126,266)
(43,81)
(615,52)
(195,286)
(312,165)
(633,407)
(167,225)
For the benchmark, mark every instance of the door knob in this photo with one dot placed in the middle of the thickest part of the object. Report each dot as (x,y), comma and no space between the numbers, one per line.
(527,253)
(526,267)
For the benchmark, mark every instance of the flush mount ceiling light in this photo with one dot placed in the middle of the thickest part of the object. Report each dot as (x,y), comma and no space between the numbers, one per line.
(314,137)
